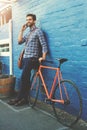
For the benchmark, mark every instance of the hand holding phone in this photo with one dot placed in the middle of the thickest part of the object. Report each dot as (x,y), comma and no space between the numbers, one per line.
(24,27)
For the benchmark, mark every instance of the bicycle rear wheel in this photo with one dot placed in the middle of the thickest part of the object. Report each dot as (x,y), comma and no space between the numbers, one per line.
(69,112)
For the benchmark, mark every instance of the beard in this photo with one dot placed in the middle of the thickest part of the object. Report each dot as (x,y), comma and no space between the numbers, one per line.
(30,24)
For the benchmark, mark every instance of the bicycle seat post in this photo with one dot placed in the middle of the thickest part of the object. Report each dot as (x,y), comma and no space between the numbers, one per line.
(59,65)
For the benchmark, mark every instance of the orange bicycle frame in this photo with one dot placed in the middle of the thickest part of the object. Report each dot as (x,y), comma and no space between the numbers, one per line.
(58,76)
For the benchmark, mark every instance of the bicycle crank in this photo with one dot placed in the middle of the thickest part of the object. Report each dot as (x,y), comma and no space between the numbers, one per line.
(67,102)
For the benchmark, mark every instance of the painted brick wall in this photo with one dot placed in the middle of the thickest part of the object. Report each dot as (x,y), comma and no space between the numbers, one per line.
(65,25)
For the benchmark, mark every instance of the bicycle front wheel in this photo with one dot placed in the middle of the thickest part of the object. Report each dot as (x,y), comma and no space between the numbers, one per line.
(34,90)
(69,112)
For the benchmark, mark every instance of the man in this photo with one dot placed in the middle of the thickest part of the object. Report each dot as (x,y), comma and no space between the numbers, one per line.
(34,40)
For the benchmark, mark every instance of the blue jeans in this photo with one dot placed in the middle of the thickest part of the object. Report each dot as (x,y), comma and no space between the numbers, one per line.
(28,65)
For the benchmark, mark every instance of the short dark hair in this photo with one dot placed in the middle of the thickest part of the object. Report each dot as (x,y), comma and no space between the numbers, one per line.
(32,15)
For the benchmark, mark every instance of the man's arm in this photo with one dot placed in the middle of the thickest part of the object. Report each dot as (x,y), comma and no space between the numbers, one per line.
(20,36)
(43,44)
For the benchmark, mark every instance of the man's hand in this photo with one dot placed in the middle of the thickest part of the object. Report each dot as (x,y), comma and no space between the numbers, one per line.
(20,36)
(41,59)
(24,27)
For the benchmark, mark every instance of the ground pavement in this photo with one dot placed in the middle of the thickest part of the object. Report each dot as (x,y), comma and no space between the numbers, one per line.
(26,118)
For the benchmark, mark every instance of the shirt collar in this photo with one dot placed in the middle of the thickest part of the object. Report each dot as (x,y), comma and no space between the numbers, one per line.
(33,28)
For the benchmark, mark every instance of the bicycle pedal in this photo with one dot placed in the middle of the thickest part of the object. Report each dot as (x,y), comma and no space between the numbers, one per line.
(66,102)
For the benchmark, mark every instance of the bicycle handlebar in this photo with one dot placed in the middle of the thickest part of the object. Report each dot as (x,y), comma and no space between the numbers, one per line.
(61,60)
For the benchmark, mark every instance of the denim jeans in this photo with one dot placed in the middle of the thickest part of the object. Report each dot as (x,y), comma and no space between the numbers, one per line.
(28,65)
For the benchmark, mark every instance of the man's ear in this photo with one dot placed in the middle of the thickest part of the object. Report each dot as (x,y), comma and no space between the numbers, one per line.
(34,21)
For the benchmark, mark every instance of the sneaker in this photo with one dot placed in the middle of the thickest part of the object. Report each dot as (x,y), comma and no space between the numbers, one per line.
(13,101)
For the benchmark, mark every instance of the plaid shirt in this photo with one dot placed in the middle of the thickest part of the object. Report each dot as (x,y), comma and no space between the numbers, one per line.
(34,41)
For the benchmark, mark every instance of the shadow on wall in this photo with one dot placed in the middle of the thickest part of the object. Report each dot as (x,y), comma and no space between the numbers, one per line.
(47,40)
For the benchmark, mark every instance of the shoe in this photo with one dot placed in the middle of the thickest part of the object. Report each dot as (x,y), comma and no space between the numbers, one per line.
(22,102)
(13,101)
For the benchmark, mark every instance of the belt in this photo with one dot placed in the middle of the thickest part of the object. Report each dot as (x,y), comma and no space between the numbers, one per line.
(34,59)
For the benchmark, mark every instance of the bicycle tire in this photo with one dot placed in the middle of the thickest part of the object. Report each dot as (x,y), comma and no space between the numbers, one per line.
(34,90)
(69,112)
(38,96)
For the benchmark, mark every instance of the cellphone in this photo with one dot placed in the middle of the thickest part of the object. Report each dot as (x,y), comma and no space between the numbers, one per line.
(26,25)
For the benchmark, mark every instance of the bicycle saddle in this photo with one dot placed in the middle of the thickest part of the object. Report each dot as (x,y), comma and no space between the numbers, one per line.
(62,60)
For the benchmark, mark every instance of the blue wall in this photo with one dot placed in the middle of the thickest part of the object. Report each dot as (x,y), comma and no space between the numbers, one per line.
(65,25)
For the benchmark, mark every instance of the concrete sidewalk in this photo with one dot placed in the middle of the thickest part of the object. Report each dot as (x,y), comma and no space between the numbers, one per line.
(26,118)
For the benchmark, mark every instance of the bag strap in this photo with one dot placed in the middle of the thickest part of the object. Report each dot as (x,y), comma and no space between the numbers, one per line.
(29,38)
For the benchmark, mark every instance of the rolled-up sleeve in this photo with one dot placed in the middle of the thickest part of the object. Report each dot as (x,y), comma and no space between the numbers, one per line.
(42,41)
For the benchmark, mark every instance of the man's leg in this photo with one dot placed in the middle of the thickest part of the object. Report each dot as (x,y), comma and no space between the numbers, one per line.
(23,95)
(25,79)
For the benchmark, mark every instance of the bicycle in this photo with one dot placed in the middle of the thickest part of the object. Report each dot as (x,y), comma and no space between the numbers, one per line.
(64,95)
